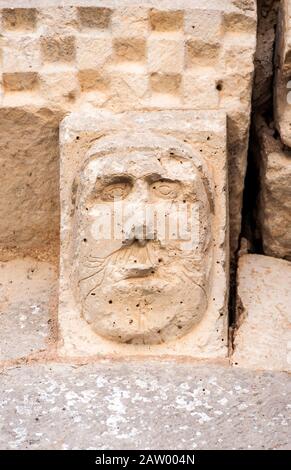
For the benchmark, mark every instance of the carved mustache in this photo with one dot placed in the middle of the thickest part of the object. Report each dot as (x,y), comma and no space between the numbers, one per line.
(133,256)
(137,260)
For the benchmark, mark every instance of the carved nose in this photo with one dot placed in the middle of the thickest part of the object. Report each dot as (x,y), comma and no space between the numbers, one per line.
(140,234)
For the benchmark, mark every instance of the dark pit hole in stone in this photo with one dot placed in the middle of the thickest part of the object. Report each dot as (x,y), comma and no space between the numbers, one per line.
(110,301)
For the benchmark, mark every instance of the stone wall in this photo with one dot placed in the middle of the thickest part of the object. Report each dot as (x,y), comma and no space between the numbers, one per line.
(126,55)
(197,73)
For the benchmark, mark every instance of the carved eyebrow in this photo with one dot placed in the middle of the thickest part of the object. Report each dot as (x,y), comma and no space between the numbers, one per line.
(154,177)
(114,178)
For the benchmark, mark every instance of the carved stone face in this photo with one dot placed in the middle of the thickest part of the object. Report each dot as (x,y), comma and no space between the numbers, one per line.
(143,282)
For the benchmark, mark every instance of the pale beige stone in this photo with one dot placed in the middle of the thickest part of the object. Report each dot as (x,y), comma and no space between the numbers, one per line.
(128,88)
(130,22)
(274,204)
(92,52)
(26,289)
(60,87)
(137,291)
(57,19)
(262,339)
(200,88)
(165,55)
(21,54)
(205,25)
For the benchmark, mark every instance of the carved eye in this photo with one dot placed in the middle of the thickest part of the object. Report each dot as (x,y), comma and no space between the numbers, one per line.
(116,191)
(166,189)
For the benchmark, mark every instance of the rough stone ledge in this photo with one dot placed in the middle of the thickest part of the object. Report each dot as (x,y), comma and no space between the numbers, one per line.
(133,405)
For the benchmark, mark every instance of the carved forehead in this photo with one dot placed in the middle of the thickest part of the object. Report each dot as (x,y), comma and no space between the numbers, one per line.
(139,163)
(141,144)
(135,147)
(144,141)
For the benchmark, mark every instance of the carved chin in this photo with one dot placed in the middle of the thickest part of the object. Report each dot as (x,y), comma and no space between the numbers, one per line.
(150,317)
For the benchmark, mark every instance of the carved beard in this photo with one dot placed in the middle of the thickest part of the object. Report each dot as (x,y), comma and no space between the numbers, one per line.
(146,295)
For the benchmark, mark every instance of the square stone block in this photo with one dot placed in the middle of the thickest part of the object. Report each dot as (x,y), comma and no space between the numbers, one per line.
(262,338)
(205,25)
(165,55)
(58,49)
(21,54)
(144,234)
(94,18)
(19,19)
(200,88)
(59,86)
(130,22)
(20,81)
(92,52)
(166,21)
(127,90)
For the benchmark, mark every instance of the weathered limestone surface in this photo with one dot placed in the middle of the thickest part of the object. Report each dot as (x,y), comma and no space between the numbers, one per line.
(26,286)
(159,95)
(144,292)
(262,339)
(143,406)
(29,189)
(129,55)
(282,88)
(274,202)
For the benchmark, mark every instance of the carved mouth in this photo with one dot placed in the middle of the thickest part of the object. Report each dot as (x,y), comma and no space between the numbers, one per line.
(138,271)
